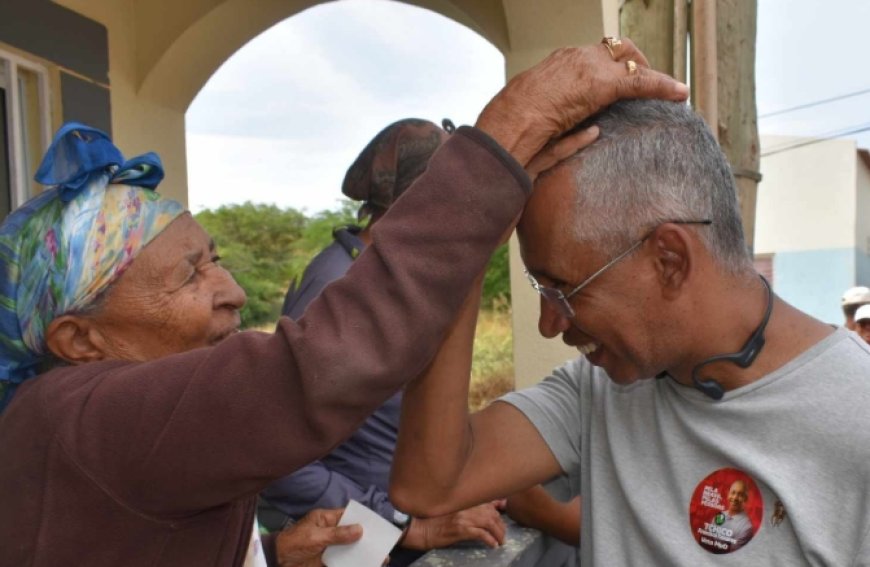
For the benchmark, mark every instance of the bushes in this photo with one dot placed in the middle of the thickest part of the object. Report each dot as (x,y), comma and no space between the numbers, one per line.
(492,367)
(265,247)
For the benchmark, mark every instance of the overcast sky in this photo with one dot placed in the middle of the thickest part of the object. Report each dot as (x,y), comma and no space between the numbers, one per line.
(282,119)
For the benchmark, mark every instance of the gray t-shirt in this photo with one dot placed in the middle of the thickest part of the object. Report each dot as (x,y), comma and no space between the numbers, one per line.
(654,461)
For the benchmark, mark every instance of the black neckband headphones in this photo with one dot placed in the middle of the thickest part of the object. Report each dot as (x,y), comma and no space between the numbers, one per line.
(744,358)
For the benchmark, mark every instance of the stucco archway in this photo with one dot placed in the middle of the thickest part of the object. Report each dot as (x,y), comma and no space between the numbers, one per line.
(172,69)
(161,53)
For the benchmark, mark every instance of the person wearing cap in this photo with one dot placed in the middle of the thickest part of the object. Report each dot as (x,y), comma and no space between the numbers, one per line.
(138,424)
(862,322)
(854,298)
(359,468)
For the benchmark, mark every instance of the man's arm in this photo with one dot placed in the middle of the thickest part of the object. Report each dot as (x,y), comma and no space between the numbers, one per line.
(447,460)
(536,508)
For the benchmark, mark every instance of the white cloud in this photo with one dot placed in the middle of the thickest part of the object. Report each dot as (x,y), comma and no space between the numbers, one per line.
(284,117)
(234,169)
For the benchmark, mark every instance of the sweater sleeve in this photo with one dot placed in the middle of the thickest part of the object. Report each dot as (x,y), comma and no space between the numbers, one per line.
(193,430)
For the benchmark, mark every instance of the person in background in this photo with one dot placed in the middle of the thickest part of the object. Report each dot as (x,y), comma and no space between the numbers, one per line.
(359,469)
(852,299)
(862,322)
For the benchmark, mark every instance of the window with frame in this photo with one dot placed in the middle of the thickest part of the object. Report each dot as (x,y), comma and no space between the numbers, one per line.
(25,128)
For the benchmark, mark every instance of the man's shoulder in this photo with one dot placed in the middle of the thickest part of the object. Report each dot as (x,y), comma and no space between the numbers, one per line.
(841,352)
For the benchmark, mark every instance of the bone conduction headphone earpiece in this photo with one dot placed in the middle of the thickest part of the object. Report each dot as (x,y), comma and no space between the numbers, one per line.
(744,358)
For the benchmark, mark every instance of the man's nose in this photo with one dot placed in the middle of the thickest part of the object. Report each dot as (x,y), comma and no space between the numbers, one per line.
(551,322)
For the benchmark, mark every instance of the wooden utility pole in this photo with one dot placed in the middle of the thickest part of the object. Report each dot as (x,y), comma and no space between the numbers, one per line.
(649,24)
(738,115)
(705,68)
(723,73)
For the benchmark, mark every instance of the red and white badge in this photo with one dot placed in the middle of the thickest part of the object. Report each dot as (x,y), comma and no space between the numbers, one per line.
(726,511)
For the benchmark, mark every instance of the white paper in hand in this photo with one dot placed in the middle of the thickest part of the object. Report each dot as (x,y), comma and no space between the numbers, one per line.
(379,537)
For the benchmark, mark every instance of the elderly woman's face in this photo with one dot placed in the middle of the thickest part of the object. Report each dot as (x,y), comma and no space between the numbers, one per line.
(174,297)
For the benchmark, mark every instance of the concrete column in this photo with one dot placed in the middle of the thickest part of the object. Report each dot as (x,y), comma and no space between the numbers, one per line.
(535,29)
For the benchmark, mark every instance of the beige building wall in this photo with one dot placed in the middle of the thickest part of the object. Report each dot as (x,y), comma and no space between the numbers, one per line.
(138,124)
(534,356)
(806,199)
(862,187)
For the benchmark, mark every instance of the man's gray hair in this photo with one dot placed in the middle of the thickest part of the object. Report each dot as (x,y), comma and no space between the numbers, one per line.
(656,161)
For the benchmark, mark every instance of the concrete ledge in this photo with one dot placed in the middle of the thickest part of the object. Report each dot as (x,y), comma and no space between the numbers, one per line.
(523,547)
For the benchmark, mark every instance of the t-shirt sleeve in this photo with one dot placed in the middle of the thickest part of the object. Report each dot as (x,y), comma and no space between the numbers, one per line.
(553,407)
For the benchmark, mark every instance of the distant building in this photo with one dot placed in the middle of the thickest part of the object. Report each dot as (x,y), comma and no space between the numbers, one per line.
(812,232)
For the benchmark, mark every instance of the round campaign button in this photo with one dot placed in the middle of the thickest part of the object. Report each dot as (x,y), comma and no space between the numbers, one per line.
(726,511)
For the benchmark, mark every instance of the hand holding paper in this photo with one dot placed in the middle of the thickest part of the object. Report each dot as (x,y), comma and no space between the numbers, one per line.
(379,537)
(302,544)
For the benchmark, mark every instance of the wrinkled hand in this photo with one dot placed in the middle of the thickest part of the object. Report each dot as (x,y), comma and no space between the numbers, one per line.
(481,523)
(570,85)
(302,544)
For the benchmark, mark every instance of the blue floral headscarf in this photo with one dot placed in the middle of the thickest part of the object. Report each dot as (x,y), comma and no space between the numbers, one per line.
(63,248)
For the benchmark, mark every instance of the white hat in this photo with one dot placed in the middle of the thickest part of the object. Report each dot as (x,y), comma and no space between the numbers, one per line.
(862,313)
(856,295)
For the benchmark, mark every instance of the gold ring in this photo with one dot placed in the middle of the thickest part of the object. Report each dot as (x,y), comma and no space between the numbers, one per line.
(611,43)
(631,66)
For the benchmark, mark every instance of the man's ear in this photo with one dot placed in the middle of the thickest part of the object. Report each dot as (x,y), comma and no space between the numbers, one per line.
(75,339)
(673,257)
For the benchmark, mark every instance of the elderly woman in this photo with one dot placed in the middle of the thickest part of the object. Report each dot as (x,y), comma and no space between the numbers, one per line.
(138,425)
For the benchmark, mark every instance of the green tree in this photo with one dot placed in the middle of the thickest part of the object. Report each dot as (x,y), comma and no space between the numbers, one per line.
(496,281)
(265,248)
(317,233)
(256,244)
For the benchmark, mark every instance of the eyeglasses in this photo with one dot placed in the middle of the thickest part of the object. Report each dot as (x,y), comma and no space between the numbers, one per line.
(559,300)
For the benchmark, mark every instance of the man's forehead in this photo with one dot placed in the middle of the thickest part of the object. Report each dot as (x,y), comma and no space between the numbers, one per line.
(551,203)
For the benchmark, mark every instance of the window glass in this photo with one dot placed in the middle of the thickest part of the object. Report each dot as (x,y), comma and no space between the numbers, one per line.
(5,173)
(24,128)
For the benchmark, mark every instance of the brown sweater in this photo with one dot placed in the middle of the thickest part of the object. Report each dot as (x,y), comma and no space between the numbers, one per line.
(159,463)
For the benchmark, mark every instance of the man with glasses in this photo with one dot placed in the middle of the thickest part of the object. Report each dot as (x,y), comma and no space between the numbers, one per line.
(692,372)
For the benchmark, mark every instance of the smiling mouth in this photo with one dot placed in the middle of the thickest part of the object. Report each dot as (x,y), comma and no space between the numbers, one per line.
(588,348)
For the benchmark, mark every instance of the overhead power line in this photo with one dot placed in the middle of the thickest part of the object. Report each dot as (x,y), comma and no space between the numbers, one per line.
(825,138)
(814,103)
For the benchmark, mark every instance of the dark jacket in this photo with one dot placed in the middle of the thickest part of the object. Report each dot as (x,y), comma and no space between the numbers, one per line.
(359,468)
